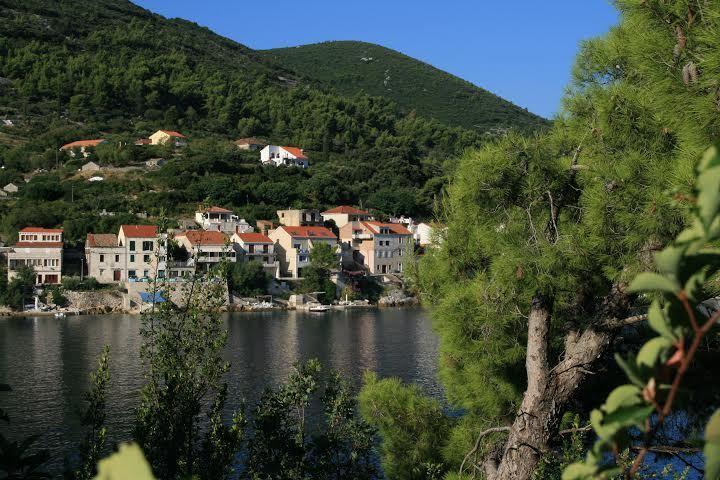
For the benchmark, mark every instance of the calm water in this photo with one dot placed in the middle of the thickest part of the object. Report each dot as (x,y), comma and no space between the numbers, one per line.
(47,361)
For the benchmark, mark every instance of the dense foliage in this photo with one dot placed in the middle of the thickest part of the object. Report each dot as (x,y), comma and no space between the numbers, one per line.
(565,219)
(352,67)
(76,70)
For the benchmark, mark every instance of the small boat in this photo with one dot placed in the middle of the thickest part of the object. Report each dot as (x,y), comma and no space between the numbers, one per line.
(60,315)
(319,308)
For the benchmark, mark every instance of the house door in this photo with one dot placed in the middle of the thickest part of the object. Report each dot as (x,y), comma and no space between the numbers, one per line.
(116,275)
(383,268)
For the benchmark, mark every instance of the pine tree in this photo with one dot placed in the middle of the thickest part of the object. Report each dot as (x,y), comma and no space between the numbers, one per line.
(528,289)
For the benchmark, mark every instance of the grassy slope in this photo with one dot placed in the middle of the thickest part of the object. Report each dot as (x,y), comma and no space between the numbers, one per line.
(352,67)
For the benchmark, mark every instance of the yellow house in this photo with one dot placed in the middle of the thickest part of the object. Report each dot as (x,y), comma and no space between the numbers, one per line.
(168,137)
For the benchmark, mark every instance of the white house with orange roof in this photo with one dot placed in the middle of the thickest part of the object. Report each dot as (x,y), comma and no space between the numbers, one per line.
(293,246)
(275,155)
(42,250)
(345,214)
(380,247)
(81,147)
(168,137)
(221,220)
(256,247)
(206,248)
(145,255)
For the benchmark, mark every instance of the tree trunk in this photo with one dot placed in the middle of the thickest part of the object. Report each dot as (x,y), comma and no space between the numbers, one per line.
(549,390)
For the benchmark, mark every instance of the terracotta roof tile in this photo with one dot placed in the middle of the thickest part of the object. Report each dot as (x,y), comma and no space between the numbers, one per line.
(252,237)
(82,143)
(297,152)
(39,244)
(139,231)
(202,237)
(347,209)
(309,232)
(41,230)
(173,133)
(103,240)
(395,228)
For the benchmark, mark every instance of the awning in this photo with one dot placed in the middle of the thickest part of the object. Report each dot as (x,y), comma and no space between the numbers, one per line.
(151,298)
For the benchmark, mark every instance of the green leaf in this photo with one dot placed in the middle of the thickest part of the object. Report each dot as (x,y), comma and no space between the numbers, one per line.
(659,322)
(625,417)
(649,281)
(668,261)
(579,471)
(128,462)
(652,350)
(631,370)
(622,396)
(712,447)
(710,158)
(708,199)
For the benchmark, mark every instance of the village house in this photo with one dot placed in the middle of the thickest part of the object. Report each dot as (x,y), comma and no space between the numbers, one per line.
(10,188)
(206,248)
(145,260)
(344,214)
(378,246)
(41,249)
(256,247)
(83,147)
(293,246)
(426,234)
(90,167)
(105,258)
(168,137)
(249,144)
(275,155)
(221,220)
(264,226)
(299,218)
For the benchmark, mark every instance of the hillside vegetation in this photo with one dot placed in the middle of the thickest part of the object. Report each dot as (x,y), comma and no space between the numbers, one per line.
(352,67)
(109,69)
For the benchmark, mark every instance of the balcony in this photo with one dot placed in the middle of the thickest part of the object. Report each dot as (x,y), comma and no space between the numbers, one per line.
(362,236)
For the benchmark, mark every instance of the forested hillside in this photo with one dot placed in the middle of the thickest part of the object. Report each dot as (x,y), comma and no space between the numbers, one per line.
(104,69)
(354,67)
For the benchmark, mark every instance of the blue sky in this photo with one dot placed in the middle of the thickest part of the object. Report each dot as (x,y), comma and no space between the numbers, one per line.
(521,50)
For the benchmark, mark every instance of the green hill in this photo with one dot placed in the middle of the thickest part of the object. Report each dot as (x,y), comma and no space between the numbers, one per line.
(81,69)
(352,67)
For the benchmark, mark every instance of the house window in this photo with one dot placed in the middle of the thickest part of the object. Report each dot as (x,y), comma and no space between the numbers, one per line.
(145,273)
(302,258)
(146,258)
(251,248)
(117,258)
(102,258)
(147,246)
(161,273)
(131,274)
(132,258)
(132,245)
(296,245)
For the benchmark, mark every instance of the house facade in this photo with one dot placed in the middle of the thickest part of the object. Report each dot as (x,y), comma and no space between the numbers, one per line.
(221,220)
(41,249)
(276,155)
(378,246)
(81,147)
(206,248)
(168,137)
(299,217)
(105,259)
(90,167)
(145,258)
(294,243)
(256,247)
(344,214)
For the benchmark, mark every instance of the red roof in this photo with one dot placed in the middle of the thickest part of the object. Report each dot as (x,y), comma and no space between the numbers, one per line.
(82,143)
(173,134)
(296,152)
(139,231)
(202,237)
(309,232)
(218,210)
(254,238)
(39,244)
(348,210)
(143,141)
(101,240)
(395,228)
(41,230)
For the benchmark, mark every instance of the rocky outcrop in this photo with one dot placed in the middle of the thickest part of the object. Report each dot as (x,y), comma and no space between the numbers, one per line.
(95,302)
(397,298)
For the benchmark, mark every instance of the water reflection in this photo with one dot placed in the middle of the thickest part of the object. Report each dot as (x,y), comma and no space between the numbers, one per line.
(47,361)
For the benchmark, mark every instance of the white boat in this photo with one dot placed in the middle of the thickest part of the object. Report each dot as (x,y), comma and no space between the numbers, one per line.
(60,315)
(319,308)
